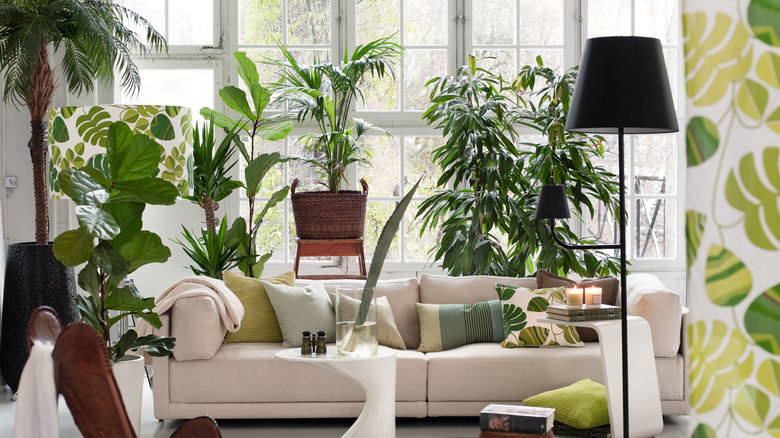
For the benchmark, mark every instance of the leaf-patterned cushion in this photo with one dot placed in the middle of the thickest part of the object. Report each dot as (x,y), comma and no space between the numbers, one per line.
(522,308)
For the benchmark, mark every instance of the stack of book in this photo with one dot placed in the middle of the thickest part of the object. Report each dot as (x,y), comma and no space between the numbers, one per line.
(587,313)
(513,421)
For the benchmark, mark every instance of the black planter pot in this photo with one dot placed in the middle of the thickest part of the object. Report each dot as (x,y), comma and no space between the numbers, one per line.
(33,277)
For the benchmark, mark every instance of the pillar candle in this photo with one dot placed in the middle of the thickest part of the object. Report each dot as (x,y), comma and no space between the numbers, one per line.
(574,297)
(593,296)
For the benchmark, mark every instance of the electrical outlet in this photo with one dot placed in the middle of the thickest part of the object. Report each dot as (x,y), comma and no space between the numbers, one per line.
(10,182)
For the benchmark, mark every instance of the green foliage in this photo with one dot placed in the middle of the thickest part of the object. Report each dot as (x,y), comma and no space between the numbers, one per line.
(110,204)
(212,252)
(325,92)
(487,220)
(252,122)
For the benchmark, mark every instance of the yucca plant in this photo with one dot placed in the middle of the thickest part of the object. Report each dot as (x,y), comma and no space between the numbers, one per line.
(325,93)
(212,252)
(94,42)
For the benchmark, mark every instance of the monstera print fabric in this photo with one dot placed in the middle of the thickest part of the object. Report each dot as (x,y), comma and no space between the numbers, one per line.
(732,78)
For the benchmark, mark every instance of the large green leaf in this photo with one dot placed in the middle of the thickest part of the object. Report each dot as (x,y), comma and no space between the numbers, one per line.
(719,360)
(89,280)
(752,404)
(748,192)
(148,190)
(82,188)
(275,130)
(142,248)
(764,19)
(694,228)
(701,140)
(123,299)
(128,215)
(235,98)
(752,99)
(97,222)
(131,156)
(728,280)
(256,171)
(59,131)
(762,320)
(109,260)
(73,247)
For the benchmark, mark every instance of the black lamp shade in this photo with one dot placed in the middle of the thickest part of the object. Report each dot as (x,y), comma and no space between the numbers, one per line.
(622,83)
(552,203)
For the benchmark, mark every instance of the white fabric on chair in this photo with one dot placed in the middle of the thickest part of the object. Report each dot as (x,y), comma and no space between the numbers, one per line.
(36,407)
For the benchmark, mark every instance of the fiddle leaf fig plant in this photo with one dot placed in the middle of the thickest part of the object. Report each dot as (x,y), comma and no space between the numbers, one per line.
(110,239)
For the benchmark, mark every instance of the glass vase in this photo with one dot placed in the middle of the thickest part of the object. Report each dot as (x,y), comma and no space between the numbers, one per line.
(354,340)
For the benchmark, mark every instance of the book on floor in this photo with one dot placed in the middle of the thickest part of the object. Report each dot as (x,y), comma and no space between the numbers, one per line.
(515,418)
(496,434)
(602,309)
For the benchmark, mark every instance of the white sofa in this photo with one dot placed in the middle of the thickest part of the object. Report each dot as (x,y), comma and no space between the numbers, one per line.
(245,380)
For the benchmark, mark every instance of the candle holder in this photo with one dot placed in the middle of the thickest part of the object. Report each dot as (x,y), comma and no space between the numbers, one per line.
(574,297)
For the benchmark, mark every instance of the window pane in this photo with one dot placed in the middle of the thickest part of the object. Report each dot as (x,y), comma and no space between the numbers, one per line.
(377,214)
(552,58)
(617,23)
(425,22)
(152,10)
(655,164)
(671,59)
(654,228)
(494,21)
(308,21)
(418,161)
(541,22)
(259,21)
(419,67)
(270,236)
(383,177)
(497,61)
(377,19)
(191,22)
(657,19)
(602,228)
(416,247)
(186,87)
(380,95)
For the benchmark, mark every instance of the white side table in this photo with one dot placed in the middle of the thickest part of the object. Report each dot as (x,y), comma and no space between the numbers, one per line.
(644,400)
(375,374)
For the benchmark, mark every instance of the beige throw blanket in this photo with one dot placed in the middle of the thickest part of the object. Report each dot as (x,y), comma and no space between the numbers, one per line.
(230,308)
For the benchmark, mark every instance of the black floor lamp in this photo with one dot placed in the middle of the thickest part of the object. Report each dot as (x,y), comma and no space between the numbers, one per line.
(622,88)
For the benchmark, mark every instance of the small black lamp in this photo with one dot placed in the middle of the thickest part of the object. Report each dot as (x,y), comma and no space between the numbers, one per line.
(622,88)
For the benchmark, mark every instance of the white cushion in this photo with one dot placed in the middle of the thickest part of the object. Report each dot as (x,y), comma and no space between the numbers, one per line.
(302,308)
(439,289)
(198,328)
(650,299)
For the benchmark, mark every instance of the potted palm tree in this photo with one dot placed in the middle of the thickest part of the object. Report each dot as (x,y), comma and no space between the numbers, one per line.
(325,93)
(93,39)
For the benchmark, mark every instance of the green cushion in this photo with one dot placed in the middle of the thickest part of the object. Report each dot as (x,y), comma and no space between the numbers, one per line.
(259,323)
(582,405)
(302,308)
(522,308)
(446,326)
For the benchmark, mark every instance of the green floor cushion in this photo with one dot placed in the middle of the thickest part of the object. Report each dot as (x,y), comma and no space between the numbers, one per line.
(582,405)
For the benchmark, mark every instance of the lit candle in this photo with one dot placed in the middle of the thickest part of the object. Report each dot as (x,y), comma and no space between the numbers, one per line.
(593,296)
(574,297)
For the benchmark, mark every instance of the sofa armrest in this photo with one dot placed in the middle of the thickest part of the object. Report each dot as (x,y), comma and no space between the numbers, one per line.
(662,308)
(197,327)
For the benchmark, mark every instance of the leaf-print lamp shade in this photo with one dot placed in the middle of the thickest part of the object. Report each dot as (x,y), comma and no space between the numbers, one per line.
(77,137)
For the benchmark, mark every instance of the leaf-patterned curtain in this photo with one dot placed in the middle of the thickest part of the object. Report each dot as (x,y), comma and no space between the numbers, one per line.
(732,73)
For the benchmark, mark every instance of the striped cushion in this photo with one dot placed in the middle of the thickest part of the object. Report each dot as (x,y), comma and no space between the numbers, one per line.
(259,323)
(582,405)
(446,326)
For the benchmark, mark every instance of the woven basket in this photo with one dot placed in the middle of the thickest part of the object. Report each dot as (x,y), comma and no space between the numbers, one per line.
(325,215)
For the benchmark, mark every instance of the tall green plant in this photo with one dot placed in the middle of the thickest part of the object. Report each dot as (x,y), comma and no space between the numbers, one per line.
(212,252)
(487,220)
(252,122)
(325,93)
(110,239)
(94,42)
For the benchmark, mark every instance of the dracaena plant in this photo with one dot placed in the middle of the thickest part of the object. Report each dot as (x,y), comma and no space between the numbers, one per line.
(325,93)
(254,125)
(110,239)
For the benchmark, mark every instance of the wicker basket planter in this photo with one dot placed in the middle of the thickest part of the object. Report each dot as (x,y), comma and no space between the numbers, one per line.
(325,215)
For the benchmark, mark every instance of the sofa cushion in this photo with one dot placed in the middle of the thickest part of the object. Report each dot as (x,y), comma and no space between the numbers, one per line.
(582,405)
(249,373)
(387,331)
(522,308)
(610,293)
(650,299)
(259,323)
(302,308)
(439,289)
(446,326)
(198,328)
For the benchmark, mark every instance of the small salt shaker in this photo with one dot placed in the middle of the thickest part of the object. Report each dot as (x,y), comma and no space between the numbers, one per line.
(306,343)
(322,346)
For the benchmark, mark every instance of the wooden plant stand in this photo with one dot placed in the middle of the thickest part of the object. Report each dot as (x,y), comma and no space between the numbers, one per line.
(331,247)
